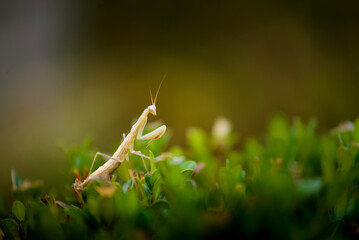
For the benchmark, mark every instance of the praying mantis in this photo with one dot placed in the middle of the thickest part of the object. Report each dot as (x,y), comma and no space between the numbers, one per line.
(127,146)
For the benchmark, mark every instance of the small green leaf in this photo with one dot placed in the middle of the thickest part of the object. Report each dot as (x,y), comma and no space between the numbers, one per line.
(2,205)
(127,185)
(187,173)
(279,128)
(155,182)
(139,188)
(148,181)
(345,158)
(73,211)
(187,168)
(226,180)
(160,204)
(356,131)
(253,148)
(147,191)
(18,209)
(308,187)
(156,176)
(199,144)
(152,159)
(9,229)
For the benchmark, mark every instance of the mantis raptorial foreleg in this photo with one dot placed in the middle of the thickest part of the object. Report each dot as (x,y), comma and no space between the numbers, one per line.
(155,134)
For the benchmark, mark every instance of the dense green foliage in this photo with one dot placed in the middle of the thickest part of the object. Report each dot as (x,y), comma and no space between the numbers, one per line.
(295,185)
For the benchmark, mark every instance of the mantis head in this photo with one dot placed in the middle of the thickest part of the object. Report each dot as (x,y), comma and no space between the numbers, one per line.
(152,108)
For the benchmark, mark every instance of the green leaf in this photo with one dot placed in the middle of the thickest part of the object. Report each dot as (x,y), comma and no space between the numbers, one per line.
(2,205)
(188,165)
(328,158)
(279,128)
(187,168)
(128,204)
(156,184)
(18,209)
(152,159)
(139,188)
(156,190)
(253,148)
(199,144)
(226,180)
(356,131)
(160,204)
(10,228)
(73,211)
(308,187)
(148,181)
(345,158)
(128,185)
(156,176)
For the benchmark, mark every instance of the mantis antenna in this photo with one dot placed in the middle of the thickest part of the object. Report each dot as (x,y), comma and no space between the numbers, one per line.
(154,103)
(151,95)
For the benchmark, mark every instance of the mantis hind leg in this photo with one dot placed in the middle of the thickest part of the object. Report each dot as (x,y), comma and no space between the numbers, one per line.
(103,155)
(139,153)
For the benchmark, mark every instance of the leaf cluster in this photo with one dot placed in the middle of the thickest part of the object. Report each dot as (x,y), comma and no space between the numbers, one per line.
(293,185)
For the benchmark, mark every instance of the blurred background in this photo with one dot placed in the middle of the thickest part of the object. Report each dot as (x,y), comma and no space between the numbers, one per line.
(71,69)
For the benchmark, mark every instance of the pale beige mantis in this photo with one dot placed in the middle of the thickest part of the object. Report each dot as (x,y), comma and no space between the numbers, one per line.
(104,172)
